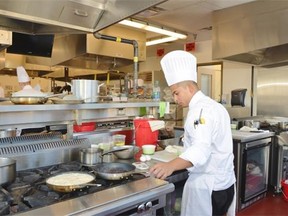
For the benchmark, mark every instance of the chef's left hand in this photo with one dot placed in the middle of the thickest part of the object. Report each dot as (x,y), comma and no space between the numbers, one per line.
(161,170)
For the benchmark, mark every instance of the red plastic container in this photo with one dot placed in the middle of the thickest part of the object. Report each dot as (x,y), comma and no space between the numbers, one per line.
(143,132)
(84,127)
(284,190)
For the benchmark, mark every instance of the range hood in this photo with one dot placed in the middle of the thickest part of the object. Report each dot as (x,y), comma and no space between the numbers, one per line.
(255,33)
(84,51)
(67,16)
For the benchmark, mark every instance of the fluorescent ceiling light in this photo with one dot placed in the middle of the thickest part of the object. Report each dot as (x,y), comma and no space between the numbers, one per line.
(161,40)
(145,26)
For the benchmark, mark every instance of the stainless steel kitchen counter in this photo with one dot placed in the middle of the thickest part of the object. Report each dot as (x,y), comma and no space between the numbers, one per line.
(110,201)
(244,136)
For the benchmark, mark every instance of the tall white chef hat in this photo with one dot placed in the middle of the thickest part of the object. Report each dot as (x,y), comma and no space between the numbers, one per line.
(22,74)
(179,66)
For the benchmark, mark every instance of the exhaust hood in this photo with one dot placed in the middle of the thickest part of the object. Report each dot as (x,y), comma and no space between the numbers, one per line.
(255,33)
(89,53)
(67,16)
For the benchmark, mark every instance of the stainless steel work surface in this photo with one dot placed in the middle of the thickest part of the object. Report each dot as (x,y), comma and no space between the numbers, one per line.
(245,136)
(108,200)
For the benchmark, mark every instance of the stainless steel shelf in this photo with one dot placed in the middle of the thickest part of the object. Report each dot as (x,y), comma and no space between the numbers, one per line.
(21,116)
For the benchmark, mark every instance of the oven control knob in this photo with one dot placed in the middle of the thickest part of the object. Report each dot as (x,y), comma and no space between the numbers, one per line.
(148,205)
(141,208)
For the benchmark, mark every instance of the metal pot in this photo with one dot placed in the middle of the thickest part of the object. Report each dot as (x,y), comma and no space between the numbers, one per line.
(86,90)
(91,156)
(114,171)
(7,170)
(125,152)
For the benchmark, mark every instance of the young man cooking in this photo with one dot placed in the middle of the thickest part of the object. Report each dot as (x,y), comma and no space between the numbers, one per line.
(208,155)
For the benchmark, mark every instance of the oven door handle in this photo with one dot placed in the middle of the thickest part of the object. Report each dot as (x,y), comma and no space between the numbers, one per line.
(259,145)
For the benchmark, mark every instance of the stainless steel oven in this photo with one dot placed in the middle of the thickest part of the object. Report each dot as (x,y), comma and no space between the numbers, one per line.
(252,170)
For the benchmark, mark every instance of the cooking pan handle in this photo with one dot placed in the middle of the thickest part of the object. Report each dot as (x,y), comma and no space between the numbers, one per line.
(111,151)
(9,197)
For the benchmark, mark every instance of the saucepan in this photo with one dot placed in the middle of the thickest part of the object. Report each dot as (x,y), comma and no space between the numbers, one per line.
(115,171)
(70,181)
(7,170)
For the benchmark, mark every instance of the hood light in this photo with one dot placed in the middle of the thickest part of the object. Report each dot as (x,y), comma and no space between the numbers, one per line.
(146,26)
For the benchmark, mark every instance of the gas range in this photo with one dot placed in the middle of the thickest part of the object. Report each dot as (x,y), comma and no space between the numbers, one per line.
(40,157)
(30,191)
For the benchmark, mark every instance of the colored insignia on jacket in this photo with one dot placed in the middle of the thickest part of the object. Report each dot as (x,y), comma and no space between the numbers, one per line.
(201,120)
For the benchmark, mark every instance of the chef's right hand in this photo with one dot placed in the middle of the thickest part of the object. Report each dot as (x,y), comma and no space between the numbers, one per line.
(161,170)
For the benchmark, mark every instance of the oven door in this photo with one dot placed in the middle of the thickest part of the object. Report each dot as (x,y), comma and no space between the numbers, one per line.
(255,169)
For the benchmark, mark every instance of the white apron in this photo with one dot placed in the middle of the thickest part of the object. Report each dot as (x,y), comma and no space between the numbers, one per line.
(196,198)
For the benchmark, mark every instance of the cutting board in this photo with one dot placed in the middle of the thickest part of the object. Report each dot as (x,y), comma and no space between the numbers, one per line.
(164,156)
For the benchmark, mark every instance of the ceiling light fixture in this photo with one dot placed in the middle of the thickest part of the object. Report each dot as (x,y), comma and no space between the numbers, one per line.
(161,40)
(148,27)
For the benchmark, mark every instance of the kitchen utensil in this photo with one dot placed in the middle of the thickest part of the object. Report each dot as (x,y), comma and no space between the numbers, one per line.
(62,101)
(87,90)
(91,156)
(70,181)
(32,99)
(148,149)
(115,171)
(7,170)
(126,152)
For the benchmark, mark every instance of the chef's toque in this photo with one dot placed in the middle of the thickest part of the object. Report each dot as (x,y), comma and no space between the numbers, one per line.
(179,66)
(22,75)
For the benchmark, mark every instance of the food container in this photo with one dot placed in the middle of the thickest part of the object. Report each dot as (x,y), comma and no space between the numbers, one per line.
(85,127)
(148,149)
(119,139)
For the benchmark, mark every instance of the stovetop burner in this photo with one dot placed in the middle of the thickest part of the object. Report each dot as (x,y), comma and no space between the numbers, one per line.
(29,190)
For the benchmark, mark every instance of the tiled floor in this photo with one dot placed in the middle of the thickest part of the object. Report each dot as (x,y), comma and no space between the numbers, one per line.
(271,205)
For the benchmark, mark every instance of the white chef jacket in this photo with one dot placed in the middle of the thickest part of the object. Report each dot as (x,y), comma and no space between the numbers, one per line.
(209,146)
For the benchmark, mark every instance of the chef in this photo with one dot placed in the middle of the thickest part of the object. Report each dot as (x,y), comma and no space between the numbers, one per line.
(208,156)
(23,78)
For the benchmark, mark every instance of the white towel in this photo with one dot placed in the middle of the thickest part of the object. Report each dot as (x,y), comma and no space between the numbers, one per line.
(156,125)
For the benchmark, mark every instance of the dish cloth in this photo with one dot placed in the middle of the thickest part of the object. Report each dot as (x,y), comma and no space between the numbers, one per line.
(156,125)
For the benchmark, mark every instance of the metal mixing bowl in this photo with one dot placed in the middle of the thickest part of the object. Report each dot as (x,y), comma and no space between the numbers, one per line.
(128,153)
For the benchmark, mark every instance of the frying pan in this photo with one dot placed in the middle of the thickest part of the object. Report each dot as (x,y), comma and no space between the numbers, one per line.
(70,181)
(31,99)
(115,171)
(28,100)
